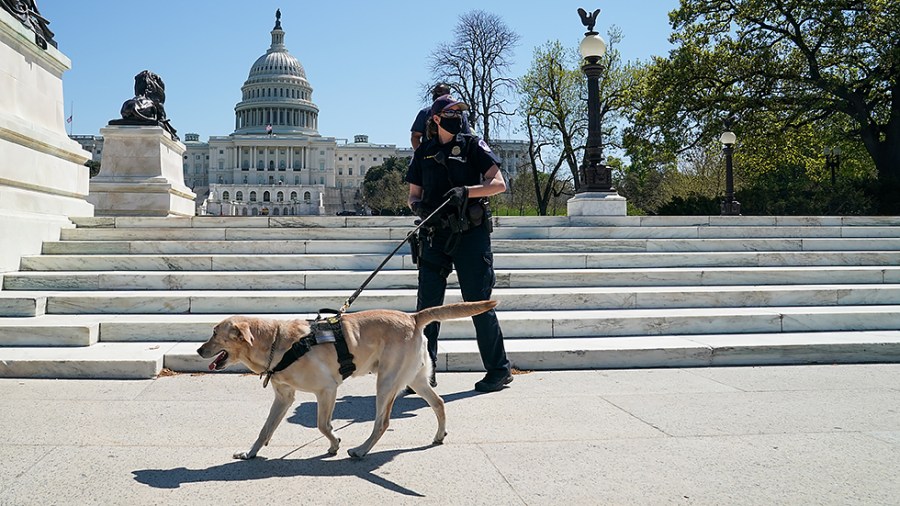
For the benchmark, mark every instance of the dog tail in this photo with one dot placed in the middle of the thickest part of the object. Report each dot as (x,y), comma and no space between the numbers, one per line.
(451,311)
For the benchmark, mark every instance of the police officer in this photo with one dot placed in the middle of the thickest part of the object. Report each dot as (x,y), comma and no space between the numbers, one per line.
(462,168)
(420,125)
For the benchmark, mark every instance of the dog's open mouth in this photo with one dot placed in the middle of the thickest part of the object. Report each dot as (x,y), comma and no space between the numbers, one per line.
(218,363)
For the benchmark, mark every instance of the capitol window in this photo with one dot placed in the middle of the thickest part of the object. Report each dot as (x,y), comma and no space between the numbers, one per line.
(239,196)
(306,197)
(252,196)
(266,197)
(280,197)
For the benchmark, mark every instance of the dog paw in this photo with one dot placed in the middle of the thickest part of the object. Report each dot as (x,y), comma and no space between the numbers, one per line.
(244,456)
(355,453)
(439,440)
(334,448)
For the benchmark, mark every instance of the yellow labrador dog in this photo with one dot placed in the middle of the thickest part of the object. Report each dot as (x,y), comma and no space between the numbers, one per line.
(385,342)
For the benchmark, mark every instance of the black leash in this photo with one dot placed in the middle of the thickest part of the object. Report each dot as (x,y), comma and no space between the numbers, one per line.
(362,287)
(345,358)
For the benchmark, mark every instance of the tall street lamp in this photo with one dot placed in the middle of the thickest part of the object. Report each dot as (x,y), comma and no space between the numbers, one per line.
(594,175)
(595,195)
(833,161)
(730,207)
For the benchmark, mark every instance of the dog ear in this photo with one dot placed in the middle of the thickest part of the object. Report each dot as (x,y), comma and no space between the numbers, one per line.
(244,329)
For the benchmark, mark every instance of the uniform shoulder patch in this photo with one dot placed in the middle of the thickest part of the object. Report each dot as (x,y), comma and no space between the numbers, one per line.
(483,145)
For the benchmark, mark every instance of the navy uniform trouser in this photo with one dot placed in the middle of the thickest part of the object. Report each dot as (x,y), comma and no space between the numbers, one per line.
(473,260)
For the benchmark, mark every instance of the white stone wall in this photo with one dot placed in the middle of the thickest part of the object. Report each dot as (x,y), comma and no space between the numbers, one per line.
(43,179)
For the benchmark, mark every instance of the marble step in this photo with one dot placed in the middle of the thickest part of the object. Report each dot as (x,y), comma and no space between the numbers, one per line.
(518,221)
(511,299)
(391,279)
(645,352)
(14,305)
(346,261)
(146,360)
(499,245)
(49,330)
(83,330)
(396,234)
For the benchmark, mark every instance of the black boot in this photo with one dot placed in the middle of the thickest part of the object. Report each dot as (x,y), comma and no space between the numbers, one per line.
(494,382)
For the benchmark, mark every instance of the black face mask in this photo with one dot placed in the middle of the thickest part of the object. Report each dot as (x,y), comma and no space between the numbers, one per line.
(452,125)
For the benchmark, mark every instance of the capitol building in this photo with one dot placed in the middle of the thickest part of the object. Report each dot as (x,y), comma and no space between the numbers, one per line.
(275,162)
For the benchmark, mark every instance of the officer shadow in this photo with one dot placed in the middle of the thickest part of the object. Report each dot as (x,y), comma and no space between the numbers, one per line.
(361,408)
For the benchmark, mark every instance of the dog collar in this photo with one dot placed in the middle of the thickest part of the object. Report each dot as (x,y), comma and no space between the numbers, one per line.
(269,372)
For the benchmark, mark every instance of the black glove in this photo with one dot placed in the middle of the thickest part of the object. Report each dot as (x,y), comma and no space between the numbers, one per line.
(419,210)
(458,196)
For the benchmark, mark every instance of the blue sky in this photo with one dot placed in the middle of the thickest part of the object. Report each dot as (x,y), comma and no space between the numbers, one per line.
(366,60)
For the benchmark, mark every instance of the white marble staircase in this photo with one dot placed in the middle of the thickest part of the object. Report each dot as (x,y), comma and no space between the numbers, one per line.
(125,297)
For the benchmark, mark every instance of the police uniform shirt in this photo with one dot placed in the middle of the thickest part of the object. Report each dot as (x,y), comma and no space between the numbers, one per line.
(466,159)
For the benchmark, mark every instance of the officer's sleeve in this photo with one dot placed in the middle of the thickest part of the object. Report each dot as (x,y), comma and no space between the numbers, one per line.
(414,172)
(419,124)
(483,157)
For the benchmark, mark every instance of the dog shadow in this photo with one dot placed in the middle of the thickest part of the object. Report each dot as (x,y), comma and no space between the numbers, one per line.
(350,408)
(361,408)
(261,468)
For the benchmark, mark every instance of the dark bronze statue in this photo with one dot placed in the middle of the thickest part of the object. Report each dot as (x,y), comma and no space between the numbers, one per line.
(146,108)
(26,12)
(589,20)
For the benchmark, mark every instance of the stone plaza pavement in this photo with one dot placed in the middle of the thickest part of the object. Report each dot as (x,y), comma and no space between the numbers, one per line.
(824,434)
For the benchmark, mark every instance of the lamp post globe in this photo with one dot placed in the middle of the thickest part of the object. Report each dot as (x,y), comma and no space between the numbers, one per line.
(592,46)
(730,206)
(593,174)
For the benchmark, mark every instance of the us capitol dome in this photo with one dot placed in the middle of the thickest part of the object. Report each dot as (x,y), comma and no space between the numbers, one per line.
(276,94)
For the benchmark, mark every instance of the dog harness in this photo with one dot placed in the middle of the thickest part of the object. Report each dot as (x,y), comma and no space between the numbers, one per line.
(322,330)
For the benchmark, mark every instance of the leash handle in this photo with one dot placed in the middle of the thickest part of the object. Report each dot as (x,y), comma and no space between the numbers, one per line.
(362,287)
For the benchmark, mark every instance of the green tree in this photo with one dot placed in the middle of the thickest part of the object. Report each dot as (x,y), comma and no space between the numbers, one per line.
(555,117)
(475,64)
(554,108)
(385,189)
(783,64)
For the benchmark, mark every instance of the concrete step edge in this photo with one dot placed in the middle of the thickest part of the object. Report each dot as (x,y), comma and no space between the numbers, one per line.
(145,360)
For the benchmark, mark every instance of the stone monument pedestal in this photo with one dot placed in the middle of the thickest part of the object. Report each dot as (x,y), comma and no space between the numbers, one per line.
(597,204)
(140,174)
(43,179)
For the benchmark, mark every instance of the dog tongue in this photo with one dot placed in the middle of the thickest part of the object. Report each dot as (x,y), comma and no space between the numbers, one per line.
(212,365)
